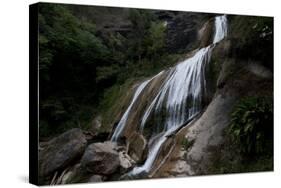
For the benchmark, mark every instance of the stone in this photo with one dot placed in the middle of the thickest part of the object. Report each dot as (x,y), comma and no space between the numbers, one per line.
(207,132)
(137,147)
(126,162)
(61,151)
(206,33)
(101,158)
(96,124)
(71,174)
(259,70)
(182,29)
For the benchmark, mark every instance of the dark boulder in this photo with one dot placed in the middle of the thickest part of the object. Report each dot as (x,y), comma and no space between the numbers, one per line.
(61,151)
(101,158)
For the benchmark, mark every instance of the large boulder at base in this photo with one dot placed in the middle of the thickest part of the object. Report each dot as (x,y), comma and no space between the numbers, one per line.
(137,147)
(61,151)
(101,158)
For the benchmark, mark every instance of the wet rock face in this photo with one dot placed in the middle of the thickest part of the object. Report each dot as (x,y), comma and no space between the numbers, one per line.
(182,29)
(215,69)
(61,151)
(206,33)
(137,147)
(126,162)
(208,131)
(101,158)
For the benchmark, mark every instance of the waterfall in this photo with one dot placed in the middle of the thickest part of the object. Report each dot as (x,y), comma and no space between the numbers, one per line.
(186,80)
(179,97)
(221,28)
(121,125)
(185,83)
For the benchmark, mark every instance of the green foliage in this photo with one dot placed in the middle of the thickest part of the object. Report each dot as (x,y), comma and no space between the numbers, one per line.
(248,143)
(155,40)
(223,163)
(140,25)
(112,103)
(186,144)
(252,124)
(69,54)
(147,37)
(83,65)
(250,32)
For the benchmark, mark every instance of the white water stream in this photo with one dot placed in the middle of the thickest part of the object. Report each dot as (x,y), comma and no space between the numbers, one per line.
(180,96)
(122,123)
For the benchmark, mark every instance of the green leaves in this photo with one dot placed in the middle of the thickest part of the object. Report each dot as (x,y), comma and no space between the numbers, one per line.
(155,39)
(252,124)
(147,39)
(83,54)
(187,143)
(250,32)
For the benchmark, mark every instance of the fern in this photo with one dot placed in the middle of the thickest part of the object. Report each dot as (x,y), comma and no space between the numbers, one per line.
(252,124)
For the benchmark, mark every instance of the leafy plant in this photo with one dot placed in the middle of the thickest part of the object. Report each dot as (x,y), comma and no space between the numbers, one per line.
(186,143)
(252,124)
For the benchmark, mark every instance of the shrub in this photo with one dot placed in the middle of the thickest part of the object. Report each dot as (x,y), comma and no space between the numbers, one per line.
(252,124)
(186,143)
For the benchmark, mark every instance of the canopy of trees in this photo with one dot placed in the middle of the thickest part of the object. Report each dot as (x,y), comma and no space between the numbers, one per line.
(79,62)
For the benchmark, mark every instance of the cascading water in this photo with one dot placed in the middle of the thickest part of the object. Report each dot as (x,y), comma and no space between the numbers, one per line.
(187,80)
(121,125)
(179,97)
(221,28)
